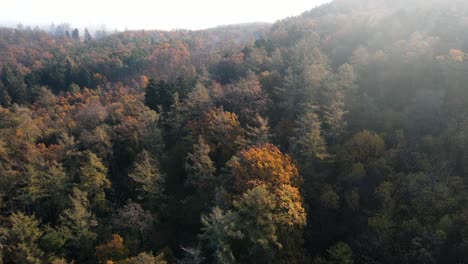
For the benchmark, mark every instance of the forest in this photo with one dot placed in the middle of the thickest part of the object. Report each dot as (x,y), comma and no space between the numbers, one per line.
(339,136)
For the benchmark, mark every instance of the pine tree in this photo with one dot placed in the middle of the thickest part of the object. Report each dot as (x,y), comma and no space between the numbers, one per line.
(159,94)
(308,141)
(148,179)
(93,179)
(87,36)
(80,222)
(198,100)
(334,117)
(259,133)
(76,35)
(255,212)
(22,240)
(217,232)
(266,167)
(200,168)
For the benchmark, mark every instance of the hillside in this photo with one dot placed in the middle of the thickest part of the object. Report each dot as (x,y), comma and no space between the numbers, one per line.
(336,136)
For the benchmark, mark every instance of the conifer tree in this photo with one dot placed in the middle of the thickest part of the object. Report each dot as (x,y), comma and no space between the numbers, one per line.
(93,179)
(22,240)
(148,179)
(200,169)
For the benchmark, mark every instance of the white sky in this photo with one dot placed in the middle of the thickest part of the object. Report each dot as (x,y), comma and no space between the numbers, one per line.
(150,14)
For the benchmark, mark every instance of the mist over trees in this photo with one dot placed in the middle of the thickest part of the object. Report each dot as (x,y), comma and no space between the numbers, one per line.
(337,136)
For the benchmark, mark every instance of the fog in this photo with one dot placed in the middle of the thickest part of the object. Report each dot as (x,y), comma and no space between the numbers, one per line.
(146,14)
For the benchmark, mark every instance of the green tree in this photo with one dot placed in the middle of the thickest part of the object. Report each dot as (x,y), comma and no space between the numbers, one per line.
(259,133)
(147,177)
(80,222)
(200,168)
(255,211)
(159,94)
(308,142)
(76,35)
(217,232)
(363,147)
(93,179)
(340,253)
(87,36)
(23,237)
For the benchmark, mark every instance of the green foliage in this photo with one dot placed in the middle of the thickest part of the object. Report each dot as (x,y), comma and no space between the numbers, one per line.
(93,179)
(22,240)
(200,169)
(253,143)
(219,228)
(340,253)
(147,177)
(255,213)
(309,142)
(80,222)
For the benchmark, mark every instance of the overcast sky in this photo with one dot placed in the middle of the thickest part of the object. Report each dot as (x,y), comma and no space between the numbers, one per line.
(150,14)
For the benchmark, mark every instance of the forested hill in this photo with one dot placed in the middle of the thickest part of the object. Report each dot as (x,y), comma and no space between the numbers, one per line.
(337,136)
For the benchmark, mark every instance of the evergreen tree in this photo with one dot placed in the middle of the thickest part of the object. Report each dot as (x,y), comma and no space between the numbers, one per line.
(200,169)
(148,178)
(87,36)
(259,133)
(217,232)
(159,94)
(255,220)
(80,222)
(22,240)
(93,179)
(308,141)
(76,35)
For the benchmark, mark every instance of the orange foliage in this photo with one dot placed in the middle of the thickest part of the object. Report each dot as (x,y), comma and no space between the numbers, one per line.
(221,130)
(292,212)
(113,250)
(264,165)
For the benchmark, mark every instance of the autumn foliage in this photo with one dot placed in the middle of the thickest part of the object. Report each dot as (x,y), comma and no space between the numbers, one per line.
(263,165)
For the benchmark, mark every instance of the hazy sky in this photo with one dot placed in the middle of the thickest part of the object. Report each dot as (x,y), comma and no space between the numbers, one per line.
(150,14)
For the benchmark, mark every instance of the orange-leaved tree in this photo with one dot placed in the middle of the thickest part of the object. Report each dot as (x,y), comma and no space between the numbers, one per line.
(266,166)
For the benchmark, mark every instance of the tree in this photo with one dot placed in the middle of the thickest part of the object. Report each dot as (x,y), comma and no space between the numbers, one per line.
(334,118)
(93,179)
(222,132)
(15,87)
(255,212)
(159,94)
(217,232)
(198,100)
(340,253)
(200,169)
(266,166)
(147,177)
(113,250)
(308,142)
(259,133)
(263,165)
(363,147)
(192,256)
(46,187)
(87,36)
(23,237)
(80,222)
(145,258)
(3,240)
(76,35)
(245,98)
(5,99)
(132,221)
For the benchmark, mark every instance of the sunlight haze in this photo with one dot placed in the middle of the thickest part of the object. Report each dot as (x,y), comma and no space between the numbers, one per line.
(146,14)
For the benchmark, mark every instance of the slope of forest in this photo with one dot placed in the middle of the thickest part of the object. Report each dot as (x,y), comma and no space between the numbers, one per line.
(337,136)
